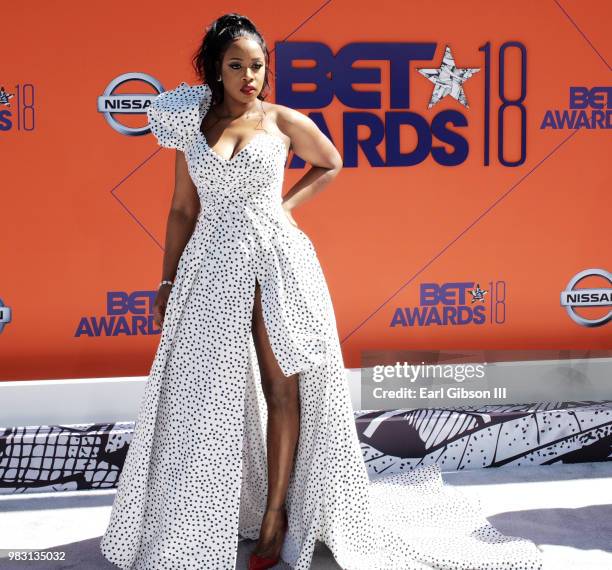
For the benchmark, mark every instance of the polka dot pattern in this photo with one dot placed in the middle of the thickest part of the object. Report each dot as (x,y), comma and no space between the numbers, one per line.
(194,480)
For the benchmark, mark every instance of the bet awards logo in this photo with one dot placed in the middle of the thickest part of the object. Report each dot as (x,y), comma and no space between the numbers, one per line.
(455,303)
(127,314)
(574,298)
(111,103)
(441,134)
(588,109)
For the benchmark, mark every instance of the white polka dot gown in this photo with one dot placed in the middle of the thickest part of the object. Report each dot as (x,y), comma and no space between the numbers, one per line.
(195,476)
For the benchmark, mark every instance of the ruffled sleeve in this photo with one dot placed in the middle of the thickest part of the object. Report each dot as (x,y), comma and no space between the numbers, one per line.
(175,115)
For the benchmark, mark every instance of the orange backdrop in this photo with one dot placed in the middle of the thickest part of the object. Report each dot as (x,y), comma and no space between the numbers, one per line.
(85,205)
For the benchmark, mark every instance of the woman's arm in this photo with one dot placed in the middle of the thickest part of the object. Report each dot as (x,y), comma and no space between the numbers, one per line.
(182,218)
(184,211)
(310,144)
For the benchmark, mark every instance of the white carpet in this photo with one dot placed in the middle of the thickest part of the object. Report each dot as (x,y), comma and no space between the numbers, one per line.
(566,509)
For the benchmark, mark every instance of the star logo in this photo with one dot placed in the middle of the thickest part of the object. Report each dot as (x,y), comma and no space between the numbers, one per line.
(448,79)
(478,294)
(5,315)
(4,97)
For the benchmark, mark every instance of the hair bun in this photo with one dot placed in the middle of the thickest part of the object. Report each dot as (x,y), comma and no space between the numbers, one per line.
(234,20)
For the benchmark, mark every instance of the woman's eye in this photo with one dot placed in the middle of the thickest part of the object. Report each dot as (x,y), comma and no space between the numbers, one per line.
(257,66)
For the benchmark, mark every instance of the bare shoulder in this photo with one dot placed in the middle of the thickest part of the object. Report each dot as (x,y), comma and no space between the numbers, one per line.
(305,137)
(289,119)
(274,118)
(282,117)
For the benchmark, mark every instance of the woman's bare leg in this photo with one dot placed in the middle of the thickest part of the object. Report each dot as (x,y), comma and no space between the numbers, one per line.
(282,398)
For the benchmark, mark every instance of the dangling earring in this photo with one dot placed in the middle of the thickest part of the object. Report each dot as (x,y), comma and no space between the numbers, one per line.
(218,79)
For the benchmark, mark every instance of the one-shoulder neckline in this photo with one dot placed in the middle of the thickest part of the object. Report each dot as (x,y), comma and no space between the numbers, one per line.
(203,107)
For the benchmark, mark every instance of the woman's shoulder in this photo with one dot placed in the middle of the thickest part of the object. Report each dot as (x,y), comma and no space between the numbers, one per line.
(283,118)
(290,120)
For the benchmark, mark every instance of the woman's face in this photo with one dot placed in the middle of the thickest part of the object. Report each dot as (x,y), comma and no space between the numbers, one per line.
(243,64)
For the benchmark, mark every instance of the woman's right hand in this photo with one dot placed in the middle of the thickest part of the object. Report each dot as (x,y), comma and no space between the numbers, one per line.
(159,305)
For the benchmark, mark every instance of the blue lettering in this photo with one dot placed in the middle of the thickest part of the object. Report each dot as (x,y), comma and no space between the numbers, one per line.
(333,76)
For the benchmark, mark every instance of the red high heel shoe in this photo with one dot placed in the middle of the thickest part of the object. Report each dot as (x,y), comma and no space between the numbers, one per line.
(257,562)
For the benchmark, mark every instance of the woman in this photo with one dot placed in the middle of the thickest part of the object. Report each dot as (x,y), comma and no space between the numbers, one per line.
(249,346)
